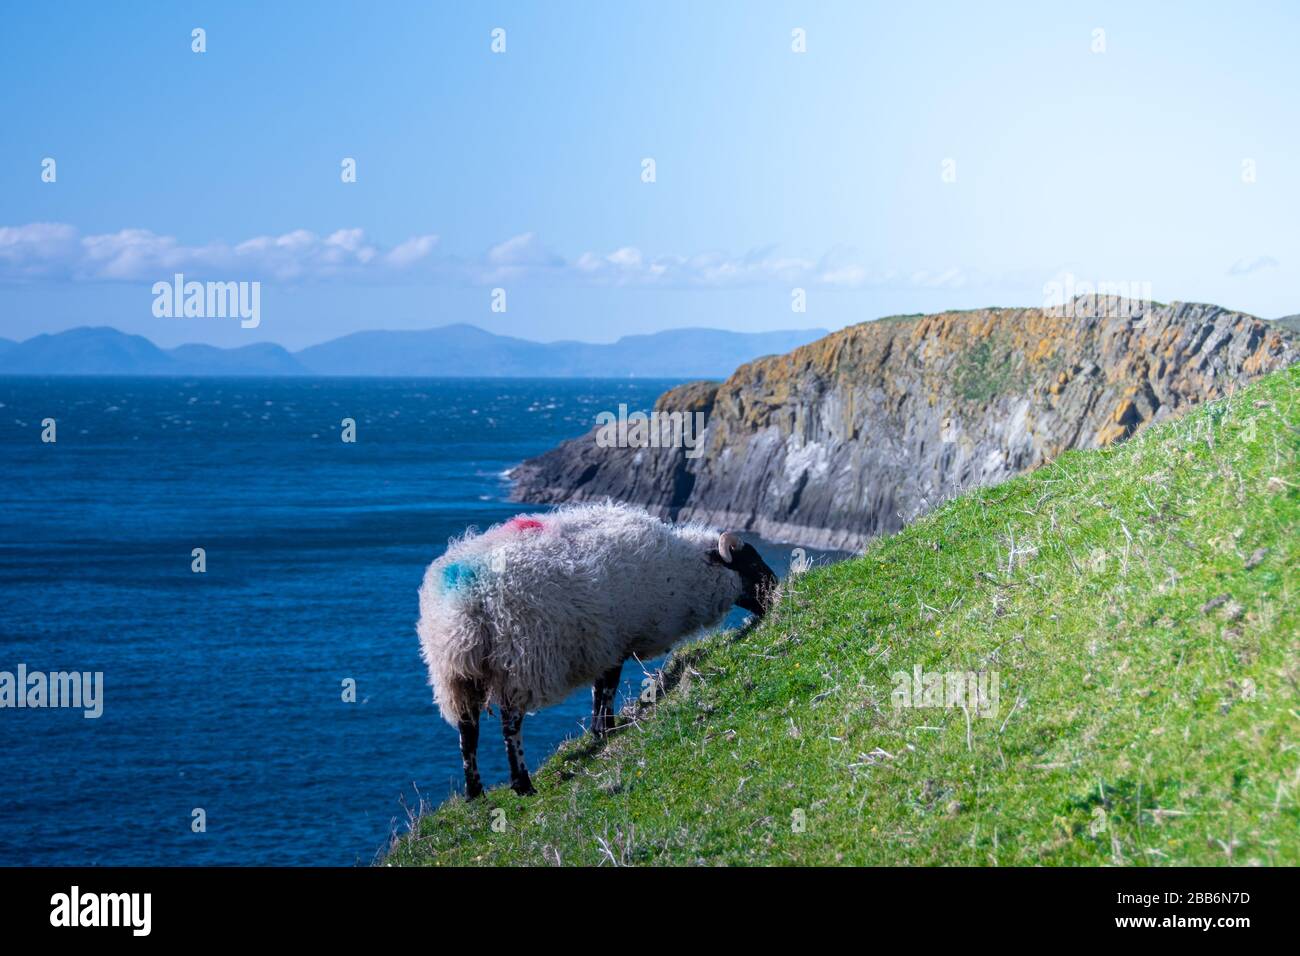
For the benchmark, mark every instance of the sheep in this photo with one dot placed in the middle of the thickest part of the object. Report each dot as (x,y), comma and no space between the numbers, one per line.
(531,609)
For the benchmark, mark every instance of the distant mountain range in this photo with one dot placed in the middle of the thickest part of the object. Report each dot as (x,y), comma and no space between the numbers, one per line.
(450,350)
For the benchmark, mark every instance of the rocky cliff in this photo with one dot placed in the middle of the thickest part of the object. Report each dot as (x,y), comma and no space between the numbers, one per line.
(855,434)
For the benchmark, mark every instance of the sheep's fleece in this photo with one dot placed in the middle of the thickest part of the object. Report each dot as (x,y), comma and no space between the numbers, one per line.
(540,605)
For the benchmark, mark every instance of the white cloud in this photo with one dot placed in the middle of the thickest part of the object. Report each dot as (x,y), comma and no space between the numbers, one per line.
(36,249)
(947,279)
(412,250)
(1244,267)
(130,254)
(628,265)
(517,257)
(845,276)
(626,256)
(58,251)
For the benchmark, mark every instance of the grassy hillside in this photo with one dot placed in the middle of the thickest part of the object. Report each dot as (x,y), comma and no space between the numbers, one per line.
(1139,607)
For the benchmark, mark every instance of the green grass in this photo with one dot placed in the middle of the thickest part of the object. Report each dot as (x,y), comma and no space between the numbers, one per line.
(989,369)
(1139,605)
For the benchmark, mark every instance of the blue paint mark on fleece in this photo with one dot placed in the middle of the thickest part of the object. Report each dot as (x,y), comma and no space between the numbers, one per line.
(456,576)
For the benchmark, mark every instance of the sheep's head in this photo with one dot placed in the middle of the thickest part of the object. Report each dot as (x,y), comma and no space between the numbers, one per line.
(758,583)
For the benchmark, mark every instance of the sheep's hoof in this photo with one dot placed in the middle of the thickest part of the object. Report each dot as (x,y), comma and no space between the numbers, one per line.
(473,791)
(524,788)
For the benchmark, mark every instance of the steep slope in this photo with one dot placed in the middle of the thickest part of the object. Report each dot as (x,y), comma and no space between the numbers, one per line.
(853,435)
(1140,607)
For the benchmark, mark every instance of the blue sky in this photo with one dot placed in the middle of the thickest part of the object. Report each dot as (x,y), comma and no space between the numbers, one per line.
(774,170)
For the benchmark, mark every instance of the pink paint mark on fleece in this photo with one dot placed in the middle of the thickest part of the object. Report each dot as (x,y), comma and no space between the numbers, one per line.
(520,523)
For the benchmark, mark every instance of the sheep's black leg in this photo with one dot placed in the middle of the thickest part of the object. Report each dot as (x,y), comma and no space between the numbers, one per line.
(468,728)
(602,700)
(512,723)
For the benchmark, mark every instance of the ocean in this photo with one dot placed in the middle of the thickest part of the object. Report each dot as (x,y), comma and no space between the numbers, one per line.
(223,692)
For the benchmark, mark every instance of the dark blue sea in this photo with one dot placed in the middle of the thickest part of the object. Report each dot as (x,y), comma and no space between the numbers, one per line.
(223,691)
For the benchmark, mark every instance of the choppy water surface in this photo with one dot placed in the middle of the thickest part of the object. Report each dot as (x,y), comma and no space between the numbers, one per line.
(223,690)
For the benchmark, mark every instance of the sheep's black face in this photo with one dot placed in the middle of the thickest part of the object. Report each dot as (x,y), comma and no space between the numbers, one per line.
(757,580)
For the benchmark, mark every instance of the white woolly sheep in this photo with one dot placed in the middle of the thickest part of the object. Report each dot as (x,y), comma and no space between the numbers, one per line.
(524,613)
